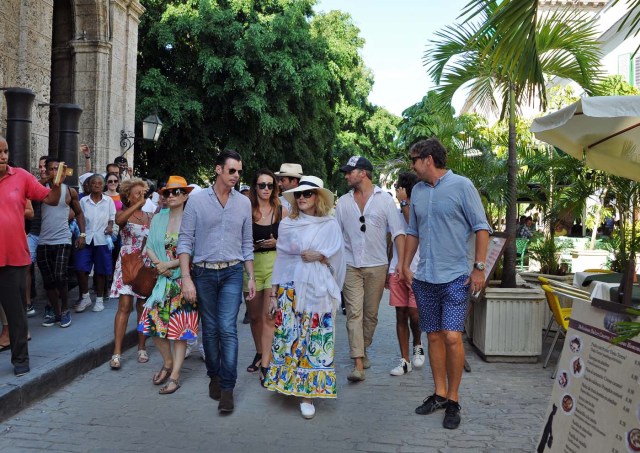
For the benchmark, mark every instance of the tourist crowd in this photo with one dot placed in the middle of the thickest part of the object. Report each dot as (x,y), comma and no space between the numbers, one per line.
(187,256)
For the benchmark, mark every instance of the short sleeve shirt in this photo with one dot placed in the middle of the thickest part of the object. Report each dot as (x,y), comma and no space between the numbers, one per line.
(16,187)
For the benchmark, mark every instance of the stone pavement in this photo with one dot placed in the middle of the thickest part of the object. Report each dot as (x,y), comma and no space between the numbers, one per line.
(105,411)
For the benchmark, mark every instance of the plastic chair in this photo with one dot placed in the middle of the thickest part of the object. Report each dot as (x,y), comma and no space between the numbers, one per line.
(521,249)
(560,315)
(599,271)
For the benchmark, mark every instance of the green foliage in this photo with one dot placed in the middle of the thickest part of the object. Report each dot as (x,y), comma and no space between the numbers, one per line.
(268,78)
(615,86)
(546,250)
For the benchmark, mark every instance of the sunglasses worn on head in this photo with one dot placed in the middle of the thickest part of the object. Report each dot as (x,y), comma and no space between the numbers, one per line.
(265,185)
(233,171)
(174,192)
(307,194)
(363,227)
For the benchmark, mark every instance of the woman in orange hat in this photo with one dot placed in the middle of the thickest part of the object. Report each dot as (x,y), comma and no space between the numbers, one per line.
(167,317)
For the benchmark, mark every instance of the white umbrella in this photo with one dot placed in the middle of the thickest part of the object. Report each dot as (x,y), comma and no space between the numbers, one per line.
(602,131)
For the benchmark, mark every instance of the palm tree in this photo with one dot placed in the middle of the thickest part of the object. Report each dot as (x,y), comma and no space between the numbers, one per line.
(467,54)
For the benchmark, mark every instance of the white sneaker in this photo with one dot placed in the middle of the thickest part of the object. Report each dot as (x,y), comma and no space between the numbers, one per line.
(308,410)
(98,306)
(418,356)
(201,349)
(403,367)
(83,304)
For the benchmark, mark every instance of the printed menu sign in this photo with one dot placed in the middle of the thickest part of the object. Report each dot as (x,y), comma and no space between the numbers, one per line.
(595,404)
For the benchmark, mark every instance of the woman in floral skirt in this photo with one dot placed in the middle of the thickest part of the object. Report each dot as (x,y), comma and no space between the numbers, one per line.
(134,227)
(307,277)
(167,317)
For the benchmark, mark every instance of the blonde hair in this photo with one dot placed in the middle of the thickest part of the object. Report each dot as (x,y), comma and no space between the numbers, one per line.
(128,184)
(322,207)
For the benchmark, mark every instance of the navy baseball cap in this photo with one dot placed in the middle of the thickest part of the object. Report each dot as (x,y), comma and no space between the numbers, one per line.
(357,162)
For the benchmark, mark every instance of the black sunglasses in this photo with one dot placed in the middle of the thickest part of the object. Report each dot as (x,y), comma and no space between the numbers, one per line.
(115,181)
(363,227)
(174,192)
(307,194)
(233,171)
(265,185)
(414,159)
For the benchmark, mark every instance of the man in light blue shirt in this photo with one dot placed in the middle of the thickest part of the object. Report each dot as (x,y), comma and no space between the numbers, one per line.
(216,230)
(445,211)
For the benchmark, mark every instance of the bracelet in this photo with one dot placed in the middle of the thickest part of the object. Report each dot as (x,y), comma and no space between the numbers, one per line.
(88,157)
(273,296)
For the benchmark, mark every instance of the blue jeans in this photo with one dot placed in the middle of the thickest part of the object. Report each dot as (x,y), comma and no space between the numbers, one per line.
(219,297)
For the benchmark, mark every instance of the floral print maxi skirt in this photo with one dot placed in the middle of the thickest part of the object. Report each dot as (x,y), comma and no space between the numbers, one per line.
(302,350)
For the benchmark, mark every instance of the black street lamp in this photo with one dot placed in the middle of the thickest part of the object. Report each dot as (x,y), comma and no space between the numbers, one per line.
(151,128)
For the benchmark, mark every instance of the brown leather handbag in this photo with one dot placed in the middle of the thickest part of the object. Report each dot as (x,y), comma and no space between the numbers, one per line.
(145,281)
(141,278)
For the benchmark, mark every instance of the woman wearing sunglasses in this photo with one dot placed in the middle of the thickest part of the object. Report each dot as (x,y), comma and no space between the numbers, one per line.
(167,317)
(267,213)
(113,184)
(307,276)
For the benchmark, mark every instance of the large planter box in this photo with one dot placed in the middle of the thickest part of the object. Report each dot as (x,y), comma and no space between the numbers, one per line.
(507,324)
(588,259)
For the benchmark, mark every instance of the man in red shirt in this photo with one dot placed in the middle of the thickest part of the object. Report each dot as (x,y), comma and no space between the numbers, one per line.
(16,186)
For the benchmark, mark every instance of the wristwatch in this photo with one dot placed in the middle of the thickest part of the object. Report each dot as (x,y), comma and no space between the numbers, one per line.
(404,204)
(479,265)
(83,235)
(88,157)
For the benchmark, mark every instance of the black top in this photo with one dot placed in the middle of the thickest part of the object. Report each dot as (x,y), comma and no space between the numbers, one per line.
(264,232)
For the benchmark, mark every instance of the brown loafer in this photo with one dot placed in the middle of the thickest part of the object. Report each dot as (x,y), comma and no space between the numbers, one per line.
(214,388)
(226,401)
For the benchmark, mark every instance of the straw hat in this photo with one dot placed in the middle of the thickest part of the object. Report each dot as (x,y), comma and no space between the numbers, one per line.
(177,182)
(290,170)
(310,183)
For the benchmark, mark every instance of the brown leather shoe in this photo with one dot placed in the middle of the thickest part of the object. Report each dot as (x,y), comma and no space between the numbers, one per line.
(214,388)
(226,401)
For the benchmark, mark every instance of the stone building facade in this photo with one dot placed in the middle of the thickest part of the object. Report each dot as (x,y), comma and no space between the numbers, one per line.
(73,51)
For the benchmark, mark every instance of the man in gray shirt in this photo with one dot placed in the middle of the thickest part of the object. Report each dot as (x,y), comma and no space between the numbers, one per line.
(445,211)
(216,230)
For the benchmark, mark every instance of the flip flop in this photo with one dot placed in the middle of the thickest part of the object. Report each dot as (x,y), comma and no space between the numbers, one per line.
(5,347)
(165,390)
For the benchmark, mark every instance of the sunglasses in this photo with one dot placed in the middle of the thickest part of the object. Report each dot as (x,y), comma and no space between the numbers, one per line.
(414,159)
(174,192)
(307,194)
(112,181)
(265,185)
(363,227)
(233,171)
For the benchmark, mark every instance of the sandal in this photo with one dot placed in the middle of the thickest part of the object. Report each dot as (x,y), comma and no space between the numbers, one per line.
(161,376)
(115,362)
(263,375)
(255,364)
(143,357)
(166,391)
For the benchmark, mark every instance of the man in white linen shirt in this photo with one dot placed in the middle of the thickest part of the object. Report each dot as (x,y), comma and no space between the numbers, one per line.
(364,214)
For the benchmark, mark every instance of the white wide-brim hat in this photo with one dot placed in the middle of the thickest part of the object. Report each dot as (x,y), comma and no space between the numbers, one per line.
(310,183)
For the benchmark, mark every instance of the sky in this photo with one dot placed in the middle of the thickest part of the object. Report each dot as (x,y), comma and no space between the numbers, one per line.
(396,34)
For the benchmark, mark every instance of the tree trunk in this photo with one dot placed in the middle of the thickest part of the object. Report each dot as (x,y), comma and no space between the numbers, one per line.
(509,272)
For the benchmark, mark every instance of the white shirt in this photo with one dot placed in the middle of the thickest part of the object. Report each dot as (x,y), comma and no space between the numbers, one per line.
(394,260)
(97,217)
(369,248)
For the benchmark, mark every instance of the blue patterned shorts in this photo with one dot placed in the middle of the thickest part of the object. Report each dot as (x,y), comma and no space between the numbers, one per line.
(442,306)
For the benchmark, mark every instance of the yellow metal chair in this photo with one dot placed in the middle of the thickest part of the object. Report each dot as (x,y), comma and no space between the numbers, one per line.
(599,271)
(560,315)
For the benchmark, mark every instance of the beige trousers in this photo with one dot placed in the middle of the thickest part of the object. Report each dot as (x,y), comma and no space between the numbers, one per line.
(362,292)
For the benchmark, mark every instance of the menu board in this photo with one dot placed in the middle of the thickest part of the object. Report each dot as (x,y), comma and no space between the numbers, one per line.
(495,250)
(595,403)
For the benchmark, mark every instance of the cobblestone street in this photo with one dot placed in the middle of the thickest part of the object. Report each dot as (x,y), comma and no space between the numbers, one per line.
(108,411)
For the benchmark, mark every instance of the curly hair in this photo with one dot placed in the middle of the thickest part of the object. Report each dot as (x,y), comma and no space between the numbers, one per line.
(128,184)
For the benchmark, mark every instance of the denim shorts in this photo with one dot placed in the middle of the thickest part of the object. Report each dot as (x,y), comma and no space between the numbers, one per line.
(33,240)
(442,306)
